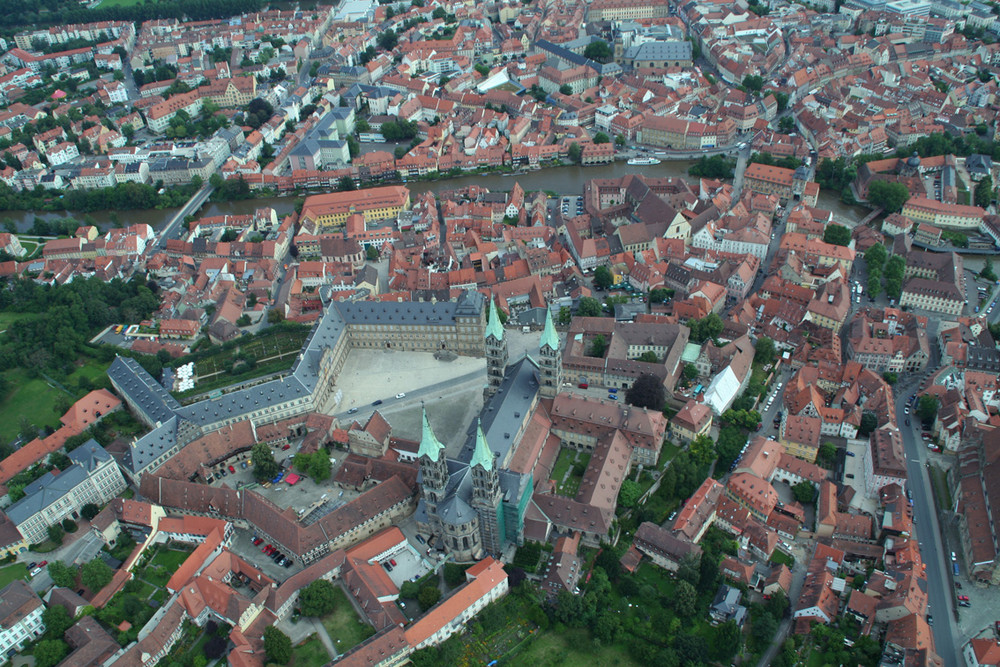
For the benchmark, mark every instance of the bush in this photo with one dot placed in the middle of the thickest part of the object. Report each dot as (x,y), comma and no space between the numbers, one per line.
(428,596)
(69,525)
(454,574)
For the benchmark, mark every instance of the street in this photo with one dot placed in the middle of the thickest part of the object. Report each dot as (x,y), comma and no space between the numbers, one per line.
(940,598)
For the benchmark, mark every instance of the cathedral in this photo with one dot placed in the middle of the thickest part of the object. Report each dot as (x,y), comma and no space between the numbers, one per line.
(475,504)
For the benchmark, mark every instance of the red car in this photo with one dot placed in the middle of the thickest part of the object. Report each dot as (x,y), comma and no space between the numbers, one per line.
(257,541)
(43,563)
(392,561)
(286,447)
(963,598)
(232,469)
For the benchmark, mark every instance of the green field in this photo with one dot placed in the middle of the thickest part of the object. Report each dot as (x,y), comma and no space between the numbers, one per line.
(29,397)
(572,648)
(170,558)
(12,573)
(6,319)
(35,398)
(118,3)
(343,625)
(310,653)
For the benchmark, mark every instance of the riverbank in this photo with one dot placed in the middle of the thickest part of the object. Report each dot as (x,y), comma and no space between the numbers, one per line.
(565,179)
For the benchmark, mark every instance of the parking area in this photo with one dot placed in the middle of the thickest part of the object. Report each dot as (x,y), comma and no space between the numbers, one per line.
(571,206)
(242,545)
(978,619)
(410,565)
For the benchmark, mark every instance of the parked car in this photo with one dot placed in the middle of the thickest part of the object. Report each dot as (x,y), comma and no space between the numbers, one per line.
(352,411)
(850,453)
(232,469)
(420,538)
(243,465)
(32,565)
(401,395)
(257,541)
(963,598)
(286,447)
(378,402)
(392,561)
(964,604)
(288,563)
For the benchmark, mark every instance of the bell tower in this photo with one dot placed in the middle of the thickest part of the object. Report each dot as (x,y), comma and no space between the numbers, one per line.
(486,495)
(550,360)
(496,351)
(433,468)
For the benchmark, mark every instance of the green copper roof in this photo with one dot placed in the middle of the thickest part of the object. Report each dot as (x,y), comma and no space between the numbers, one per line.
(493,326)
(430,446)
(483,456)
(549,336)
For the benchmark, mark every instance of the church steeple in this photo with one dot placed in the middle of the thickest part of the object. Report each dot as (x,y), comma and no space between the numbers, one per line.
(496,351)
(482,456)
(486,494)
(433,467)
(550,360)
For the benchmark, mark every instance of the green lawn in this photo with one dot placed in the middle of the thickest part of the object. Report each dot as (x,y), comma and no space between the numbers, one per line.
(35,398)
(781,557)
(118,3)
(29,397)
(12,572)
(310,653)
(170,558)
(667,452)
(563,462)
(6,319)
(343,625)
(572,648)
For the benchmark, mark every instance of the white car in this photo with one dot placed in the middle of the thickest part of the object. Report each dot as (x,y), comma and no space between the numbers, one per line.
(400,395)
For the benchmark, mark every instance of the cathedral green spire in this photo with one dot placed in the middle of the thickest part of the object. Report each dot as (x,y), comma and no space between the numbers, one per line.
(430,446)
(493,326)
(483,455)
(549,335)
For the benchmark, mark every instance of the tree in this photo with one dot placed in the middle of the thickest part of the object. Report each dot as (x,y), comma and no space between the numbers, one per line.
(786,125)
(95,574)
(346,184)
(318,598)
(685,599)
(875,256)
(277,645)
(729,446)
(50,652)
(707,327)
(264,466)
(716,166)
(598,346)
(659,295)
(619,140)
(804,492)
(874,283)
(646,392)
(428,596)
(371,253)
(727,641)
(987,273)
(589,307)
(598,50)
(316,465)
(57,620)
(601,138)
(69,525)
(886,195)
(275,316)
(566,89)
(764,352)
(649,357)
(62,575)
(482,69)
(777,605)
(215,647)
(837,235)
(629,494)
(388,40)
(869,422)
(927,408)
(603,278)
(703,449)
(984,192)
(454,574)
(56,533)
(826,455)
(575,153)
(890,377)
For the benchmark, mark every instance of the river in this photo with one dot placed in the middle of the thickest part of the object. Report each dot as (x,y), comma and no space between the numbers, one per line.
(564,180)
